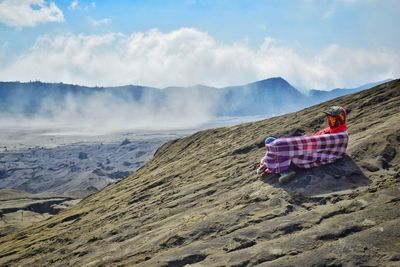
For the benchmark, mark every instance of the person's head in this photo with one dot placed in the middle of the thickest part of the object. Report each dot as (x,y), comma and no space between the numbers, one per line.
(269,140)
(336,116)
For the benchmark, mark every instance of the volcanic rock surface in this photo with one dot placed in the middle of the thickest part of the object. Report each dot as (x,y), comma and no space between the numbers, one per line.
(20,209)
(199,202)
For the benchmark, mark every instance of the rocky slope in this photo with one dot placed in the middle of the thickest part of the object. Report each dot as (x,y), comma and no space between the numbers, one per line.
(199,202)
(20,209)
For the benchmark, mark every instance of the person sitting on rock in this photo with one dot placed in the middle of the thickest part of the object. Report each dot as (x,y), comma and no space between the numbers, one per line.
(307,151)
(336,118)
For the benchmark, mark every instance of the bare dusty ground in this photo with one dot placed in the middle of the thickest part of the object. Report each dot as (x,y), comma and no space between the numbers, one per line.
(21,209)
(199,202)
(67,164)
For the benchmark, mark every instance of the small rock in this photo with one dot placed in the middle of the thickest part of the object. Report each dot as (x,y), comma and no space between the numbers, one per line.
(363,203)
(119,174)
(173,241)
(126,164)
(139,154)
(370,167)
(293,252)
(125,142)
(372,190)
(82,155)
(368,222)
(98,172)
(91,189)
(395,257)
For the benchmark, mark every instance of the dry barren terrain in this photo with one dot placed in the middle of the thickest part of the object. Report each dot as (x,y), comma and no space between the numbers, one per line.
(199,202)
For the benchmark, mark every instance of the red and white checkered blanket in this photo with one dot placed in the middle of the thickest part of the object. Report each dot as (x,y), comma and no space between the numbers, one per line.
(304,151)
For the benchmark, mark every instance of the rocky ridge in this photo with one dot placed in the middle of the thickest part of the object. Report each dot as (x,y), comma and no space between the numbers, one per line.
(199,202)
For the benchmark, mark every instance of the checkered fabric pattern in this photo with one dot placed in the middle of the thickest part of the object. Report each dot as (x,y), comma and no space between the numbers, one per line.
(304,151)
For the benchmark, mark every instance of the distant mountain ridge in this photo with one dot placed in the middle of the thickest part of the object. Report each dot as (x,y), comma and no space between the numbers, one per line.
(320,95)
(266,97)
(269,96)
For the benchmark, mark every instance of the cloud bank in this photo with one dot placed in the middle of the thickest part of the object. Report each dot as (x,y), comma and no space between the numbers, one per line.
(29,13)
(189,56)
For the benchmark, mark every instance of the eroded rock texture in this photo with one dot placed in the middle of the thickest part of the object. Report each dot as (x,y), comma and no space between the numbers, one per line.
(199,202)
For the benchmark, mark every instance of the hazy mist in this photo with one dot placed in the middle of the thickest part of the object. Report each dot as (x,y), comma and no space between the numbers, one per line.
(97,110)
(103,112)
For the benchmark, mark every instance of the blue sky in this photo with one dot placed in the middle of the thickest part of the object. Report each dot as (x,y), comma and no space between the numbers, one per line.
(313,44)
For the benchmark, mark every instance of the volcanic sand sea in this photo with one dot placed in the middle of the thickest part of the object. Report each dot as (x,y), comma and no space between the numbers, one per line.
(16,137)
(59,166)
(37,159)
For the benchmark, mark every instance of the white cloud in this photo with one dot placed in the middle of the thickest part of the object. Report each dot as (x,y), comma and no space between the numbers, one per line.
(329,12)
(29,13)
(74,5)
(331,7)
(189,56)
(100,22)
(349,2)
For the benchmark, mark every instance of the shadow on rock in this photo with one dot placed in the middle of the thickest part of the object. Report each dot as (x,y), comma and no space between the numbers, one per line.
(342,175)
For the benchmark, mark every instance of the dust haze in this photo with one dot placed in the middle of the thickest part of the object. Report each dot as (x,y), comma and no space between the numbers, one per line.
(104,112)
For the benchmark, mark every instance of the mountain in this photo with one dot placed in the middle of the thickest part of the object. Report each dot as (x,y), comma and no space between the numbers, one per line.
(258,98)
(270,96)
(199,201)
(267,97)
(30,98)
(317,96)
